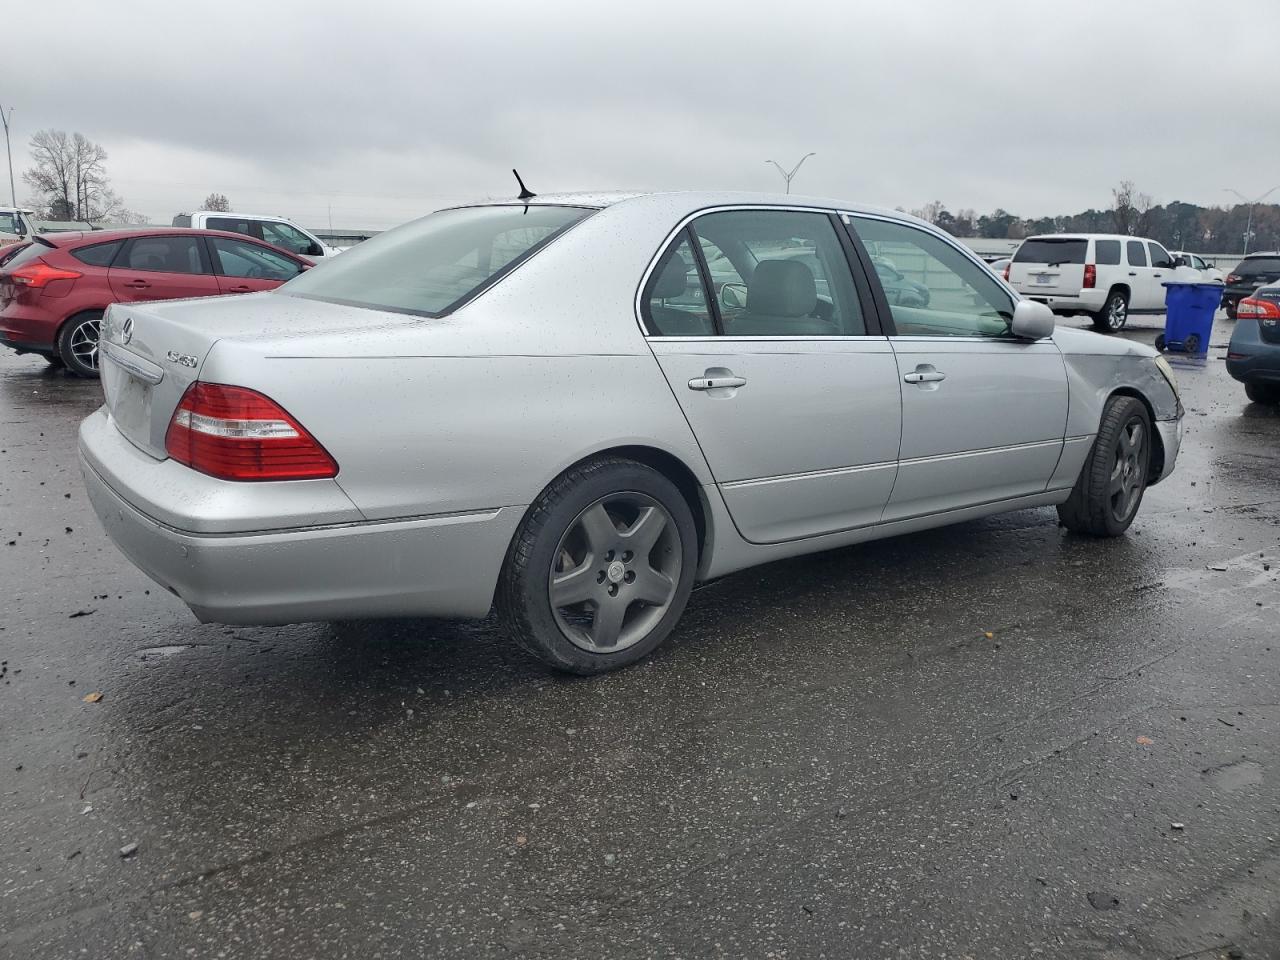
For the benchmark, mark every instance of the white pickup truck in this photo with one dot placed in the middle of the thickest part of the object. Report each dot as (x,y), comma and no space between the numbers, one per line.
(1107,276)
(16,225)
(276,231)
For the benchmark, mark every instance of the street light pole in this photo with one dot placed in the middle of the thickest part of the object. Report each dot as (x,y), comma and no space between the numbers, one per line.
(788,176)
(4,117)
(1248,227)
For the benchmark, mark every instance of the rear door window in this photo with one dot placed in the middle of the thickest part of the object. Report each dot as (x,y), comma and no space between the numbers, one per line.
(675,299)
(1052,250)
(242,225)
(1136,253)
(165,255)
(1106,252)
(100,254)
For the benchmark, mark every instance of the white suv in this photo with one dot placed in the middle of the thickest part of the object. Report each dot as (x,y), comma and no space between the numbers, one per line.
(1107,276)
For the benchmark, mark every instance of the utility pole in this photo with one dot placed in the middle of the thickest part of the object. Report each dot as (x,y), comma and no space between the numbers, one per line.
(5,117)
(788,176)
(1248,229)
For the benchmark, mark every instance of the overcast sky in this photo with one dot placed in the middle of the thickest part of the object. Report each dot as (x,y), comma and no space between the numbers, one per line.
(374,112)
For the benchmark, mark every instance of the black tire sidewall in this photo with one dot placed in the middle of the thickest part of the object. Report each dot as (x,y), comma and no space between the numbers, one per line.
(523,600)
(1102,320)
(1103,453)
(64,344)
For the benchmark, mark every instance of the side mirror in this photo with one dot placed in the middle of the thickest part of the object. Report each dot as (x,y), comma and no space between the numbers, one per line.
(733,295)
(1031,321)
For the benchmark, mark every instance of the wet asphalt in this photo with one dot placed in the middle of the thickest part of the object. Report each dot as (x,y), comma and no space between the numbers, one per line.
(992,740)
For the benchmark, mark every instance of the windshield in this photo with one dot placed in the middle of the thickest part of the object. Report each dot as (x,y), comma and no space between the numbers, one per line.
(434,265)
(1051,250)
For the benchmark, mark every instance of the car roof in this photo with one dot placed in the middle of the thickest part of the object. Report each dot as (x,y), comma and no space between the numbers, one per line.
(1089,236)
(76,238)
(1261,253)
(233,214)
(694,200)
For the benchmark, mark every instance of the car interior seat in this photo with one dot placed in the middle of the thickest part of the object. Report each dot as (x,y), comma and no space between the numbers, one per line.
(782,298)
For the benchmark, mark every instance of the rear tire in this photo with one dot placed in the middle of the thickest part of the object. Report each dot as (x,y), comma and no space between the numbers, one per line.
(1109,490)
(629,533)
(1262,392)
(1114,313)
(78,343)
(1160,342)
(1230,307)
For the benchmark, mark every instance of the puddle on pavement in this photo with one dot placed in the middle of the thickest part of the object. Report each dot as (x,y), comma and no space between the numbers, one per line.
(155,653)
(1234,776)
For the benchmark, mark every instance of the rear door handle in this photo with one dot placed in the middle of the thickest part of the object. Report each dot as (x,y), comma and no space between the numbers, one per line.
(138,284)
(925,376)
(242,288)
(715,383)
(1132,274)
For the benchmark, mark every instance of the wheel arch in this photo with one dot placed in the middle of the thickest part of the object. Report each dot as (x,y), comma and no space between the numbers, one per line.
(102,311)
(1123,288)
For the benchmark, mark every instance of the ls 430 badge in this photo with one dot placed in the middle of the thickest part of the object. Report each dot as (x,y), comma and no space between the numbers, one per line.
(173,356)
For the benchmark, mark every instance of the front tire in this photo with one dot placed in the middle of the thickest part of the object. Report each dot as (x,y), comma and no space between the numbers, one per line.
(1109,489)
(1262,392)
(600,568)
(1114,313)
(78,343)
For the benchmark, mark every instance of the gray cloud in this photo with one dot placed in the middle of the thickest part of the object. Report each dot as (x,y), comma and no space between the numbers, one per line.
(375,112)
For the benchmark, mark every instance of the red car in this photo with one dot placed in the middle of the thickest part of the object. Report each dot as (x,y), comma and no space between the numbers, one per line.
(54,291)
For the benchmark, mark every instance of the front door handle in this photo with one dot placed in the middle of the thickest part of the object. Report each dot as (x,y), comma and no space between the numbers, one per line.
(137,284)
(715,383)
(241,288)
(925,374)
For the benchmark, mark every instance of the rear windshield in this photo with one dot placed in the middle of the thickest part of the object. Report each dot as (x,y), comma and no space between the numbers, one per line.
(436,264)
(1051,250)
(1253,265)
(27,255)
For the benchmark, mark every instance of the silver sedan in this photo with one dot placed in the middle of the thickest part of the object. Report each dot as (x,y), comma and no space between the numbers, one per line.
(573,408)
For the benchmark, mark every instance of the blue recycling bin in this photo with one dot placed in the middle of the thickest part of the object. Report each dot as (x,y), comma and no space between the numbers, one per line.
(1188,318)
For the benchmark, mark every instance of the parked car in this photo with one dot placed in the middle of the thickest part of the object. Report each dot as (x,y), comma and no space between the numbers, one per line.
(1105,276)
(542,406)
(898,289)
(1253,356)
(1254,271)
(1000,266)
(53,292)
(1210,273)
(276,231)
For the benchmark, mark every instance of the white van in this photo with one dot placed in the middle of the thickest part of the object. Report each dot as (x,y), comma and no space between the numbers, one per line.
(1107,276)
(274,230)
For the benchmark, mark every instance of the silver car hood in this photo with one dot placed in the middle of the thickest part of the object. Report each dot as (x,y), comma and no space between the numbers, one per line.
(1084,343)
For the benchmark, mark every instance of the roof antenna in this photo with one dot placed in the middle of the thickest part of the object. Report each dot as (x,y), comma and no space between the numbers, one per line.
(525,192)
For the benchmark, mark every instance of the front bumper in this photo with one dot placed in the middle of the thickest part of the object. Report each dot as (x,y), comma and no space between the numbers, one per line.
(1171,439)
(446,565)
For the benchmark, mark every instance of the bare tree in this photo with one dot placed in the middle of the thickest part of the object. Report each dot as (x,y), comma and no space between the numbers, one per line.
(1122,210)
(70,174)
(1142,206)
(218,202)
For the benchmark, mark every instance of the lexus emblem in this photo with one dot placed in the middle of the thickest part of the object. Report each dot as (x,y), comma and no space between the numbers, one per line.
(126,331)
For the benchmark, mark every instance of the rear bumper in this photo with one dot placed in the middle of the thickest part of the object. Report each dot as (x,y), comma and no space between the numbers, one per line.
(1250,359)
(1086,301)
(28,329)
(445,565)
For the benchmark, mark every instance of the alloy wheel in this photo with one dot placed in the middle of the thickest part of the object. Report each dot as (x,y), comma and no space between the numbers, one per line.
(84,342)
(1128,474)
(615,572)
(1117,313)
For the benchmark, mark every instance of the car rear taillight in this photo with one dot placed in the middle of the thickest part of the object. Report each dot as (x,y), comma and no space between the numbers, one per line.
(235,433)
(1252,308)
(1090,276)
(37,273)
(1006,272)
(1232,278)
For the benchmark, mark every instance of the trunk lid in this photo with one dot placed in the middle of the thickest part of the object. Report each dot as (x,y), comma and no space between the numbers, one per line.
(1269,327)
(1049,266)
(151,352)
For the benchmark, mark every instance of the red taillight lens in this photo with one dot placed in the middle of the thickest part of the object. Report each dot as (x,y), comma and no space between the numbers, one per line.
(1090,276)
(1006,272)
(1252,308)
(234,433)
(1232,278)
(37,273)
